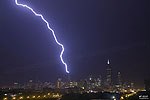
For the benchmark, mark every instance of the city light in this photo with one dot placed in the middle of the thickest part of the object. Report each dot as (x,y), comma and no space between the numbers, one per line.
(14,98)
(28,97)
(44,96)
(33,96)
(113,97)
(21,97)
(5,99)
(122,98)
(48,93)
(39,96)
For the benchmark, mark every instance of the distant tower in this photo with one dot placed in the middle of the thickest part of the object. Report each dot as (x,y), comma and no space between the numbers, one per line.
(108,73)
(30,84)
(132,85)
(119,79)
(59,83)
(16,85)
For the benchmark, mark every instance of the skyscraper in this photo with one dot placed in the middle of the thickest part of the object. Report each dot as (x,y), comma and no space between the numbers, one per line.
(59,83)
(119,79)
(108,74)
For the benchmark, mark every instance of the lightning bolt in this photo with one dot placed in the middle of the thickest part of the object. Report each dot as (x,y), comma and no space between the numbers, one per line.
(48,26)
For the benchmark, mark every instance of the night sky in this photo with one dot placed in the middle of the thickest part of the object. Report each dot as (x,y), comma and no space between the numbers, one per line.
(92,32)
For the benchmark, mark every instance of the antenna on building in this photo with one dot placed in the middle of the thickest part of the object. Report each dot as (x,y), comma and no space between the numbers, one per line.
(108,62)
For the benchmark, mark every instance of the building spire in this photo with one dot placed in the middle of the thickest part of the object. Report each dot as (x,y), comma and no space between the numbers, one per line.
(108,62)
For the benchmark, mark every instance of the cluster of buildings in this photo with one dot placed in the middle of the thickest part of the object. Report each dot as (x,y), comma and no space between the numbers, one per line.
(97,83)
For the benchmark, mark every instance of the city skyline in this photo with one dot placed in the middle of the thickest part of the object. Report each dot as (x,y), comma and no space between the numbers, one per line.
(92,32)
(109,80)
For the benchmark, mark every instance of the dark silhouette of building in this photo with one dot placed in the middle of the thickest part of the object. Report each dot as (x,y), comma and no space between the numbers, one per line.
(119,79)
(108,73)
(147,85)
(59,83)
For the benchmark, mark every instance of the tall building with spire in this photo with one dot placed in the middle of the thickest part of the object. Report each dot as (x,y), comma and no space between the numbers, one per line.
(108,74)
